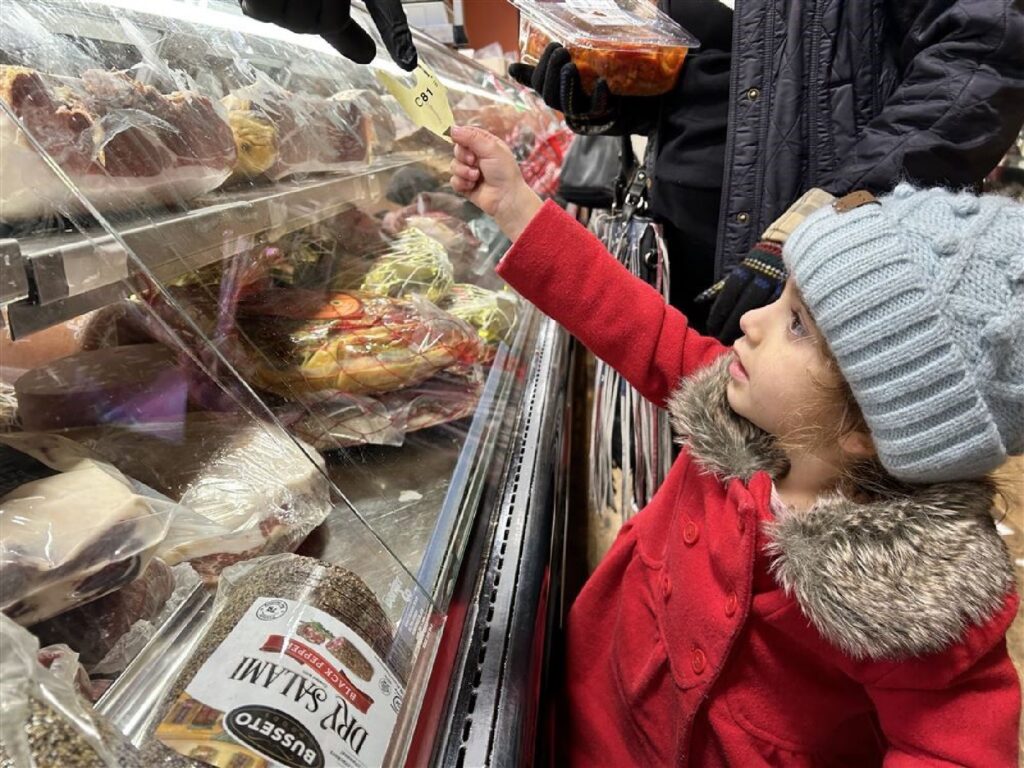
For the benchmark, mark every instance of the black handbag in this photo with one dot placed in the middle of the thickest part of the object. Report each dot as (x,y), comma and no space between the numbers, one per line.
(590,171)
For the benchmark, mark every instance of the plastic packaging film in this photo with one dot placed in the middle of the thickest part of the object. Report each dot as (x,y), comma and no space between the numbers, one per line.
(46,723)
(124,144)
(73,527)
(279,619)
(247,488)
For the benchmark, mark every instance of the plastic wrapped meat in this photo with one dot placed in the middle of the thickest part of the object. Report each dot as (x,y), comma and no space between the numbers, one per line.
(279,133)
(250,490)
(72,528)
(336,420)
(139,382)
(409,181)
(93,630)
(357,232)
(46,721)
(382,131)
(349,341)
(124,144)
(416,265)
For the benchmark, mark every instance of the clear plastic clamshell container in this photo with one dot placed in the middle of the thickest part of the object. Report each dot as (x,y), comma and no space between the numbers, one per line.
(636,48)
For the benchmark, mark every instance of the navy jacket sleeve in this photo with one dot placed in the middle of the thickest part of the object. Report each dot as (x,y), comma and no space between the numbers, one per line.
(958,107)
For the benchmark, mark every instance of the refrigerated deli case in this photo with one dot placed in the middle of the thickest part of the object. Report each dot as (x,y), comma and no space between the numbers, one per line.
(280,456)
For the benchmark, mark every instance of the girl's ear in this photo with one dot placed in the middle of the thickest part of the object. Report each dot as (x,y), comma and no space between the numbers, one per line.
(858,444)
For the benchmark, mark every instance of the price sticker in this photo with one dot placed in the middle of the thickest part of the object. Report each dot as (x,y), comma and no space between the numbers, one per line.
(425,100)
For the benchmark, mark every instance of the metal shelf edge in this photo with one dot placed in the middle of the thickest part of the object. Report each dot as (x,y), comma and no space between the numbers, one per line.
(73,274)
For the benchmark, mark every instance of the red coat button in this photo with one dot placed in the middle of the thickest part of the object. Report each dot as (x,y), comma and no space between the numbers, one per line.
(691,533)
(666,586)
(731,604)
(698,660)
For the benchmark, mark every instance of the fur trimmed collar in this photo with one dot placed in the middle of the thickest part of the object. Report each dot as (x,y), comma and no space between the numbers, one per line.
(900,576)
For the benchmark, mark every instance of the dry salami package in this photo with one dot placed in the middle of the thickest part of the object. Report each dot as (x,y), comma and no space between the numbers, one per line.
(631,44)
(72,527)
(291,672)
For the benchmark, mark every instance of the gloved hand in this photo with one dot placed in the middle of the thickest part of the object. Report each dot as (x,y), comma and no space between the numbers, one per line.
(760,277)
(558,82)
(331,20)
(756,281)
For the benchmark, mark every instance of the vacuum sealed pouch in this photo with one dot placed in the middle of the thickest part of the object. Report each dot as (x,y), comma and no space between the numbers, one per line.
(292,671)
(630,44)
(72,527)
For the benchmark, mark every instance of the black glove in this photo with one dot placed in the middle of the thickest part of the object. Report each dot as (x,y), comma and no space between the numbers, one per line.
(756,281)
(331,20)
(558,82)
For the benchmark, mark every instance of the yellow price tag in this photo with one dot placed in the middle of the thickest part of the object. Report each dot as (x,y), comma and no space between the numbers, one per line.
(425,100)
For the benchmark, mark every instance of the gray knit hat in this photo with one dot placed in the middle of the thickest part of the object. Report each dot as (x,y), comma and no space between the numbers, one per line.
(921,299)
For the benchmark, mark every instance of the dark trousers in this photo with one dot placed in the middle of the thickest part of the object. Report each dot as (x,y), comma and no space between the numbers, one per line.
(689,218)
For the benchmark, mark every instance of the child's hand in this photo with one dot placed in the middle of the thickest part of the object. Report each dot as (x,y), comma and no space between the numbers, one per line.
(485,171)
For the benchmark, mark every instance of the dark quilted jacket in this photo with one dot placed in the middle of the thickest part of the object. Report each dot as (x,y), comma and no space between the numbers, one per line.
(848,94)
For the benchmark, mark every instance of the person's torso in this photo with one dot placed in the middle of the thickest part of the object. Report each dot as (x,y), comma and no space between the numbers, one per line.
(682,649)
(807,78)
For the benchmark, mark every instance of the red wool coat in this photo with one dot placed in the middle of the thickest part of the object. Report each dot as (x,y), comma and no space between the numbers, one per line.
(718,633)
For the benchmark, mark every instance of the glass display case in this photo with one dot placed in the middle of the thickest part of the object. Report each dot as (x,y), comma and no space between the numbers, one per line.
(259,384)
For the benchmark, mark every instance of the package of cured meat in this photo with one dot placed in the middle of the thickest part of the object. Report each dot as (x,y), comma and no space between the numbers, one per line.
(248,489)
(124,145)
(93,630)
(72,527)
(279,133)
(336,420)
(45,722)
(293,670)
(350,341)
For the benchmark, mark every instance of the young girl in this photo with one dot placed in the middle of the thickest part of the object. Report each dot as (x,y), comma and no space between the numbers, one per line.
(819,582)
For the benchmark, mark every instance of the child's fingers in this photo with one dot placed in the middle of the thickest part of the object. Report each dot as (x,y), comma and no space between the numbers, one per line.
(461,185)
(475,140)
(464,155)
(464,171)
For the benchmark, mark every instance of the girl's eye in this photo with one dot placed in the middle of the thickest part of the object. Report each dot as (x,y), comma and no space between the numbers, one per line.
(796,325)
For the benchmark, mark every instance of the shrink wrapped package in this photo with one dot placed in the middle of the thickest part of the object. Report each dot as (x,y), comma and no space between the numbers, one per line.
(93,630)
(278,133)
(45,722)
(135,383)
(350,341)
(124,144)
(72,527)
(275,620)
(248,488)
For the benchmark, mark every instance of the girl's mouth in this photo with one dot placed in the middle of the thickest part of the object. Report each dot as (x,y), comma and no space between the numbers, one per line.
(737,371)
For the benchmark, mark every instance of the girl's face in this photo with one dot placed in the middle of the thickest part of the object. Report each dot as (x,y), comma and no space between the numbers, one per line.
(776,379)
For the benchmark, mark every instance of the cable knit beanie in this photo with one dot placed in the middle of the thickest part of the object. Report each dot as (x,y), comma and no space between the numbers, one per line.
(920,296)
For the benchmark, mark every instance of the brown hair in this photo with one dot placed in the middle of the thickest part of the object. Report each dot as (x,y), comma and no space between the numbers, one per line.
(864,478)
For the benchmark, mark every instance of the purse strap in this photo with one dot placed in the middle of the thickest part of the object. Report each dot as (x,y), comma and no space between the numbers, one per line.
(631,184)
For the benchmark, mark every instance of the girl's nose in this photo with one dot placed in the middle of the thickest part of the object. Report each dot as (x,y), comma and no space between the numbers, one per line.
(747,324)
